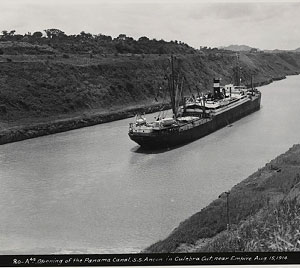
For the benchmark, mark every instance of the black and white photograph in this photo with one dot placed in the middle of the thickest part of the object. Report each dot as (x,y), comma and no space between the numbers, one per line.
(149,132)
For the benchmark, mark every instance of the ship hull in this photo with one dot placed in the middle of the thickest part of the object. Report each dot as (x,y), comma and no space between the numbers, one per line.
(170,139)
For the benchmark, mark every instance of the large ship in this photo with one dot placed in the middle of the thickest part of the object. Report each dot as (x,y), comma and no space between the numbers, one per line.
(195,117)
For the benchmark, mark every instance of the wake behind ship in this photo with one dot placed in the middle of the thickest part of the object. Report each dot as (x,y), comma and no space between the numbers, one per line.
(197,116)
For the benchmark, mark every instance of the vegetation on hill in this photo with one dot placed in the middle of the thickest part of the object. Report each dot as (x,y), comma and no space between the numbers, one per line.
(44,77)
(55,39)
(275,228)
(251,202)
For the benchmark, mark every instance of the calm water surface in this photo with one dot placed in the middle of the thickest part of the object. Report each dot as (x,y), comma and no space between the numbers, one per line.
(92,191)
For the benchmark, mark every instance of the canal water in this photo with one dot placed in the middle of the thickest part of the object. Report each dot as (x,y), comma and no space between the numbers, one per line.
(92,190)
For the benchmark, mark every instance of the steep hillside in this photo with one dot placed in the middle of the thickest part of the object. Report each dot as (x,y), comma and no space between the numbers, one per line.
(43,86)
(59,77)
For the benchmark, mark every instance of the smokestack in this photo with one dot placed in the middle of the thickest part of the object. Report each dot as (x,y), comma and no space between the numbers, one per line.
(217,88)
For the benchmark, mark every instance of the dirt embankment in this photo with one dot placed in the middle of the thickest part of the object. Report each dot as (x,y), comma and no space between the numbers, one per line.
(264,214)
(42,94)
(29,131)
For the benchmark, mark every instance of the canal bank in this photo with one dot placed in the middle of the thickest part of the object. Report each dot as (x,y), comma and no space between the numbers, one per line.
(261,213)
(18,133)
(33,130)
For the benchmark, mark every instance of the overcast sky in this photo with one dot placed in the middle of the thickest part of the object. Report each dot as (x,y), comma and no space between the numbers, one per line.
(265,25)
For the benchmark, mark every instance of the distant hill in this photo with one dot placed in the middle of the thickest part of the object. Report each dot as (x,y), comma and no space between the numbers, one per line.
(238,48)
(246,48)
(282,50)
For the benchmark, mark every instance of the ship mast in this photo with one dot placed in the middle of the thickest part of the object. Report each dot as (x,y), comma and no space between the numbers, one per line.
(237,71)
(252,85)
(173,89)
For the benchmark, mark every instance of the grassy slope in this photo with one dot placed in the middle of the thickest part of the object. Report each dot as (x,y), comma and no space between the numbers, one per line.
(51,85)
(275,228)
(258,195)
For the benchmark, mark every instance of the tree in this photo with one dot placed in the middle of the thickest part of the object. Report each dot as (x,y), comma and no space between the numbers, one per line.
(5,33)
(84,35)
(37,35)
(143,39)
(103,37)
(54,33)
(121,37)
